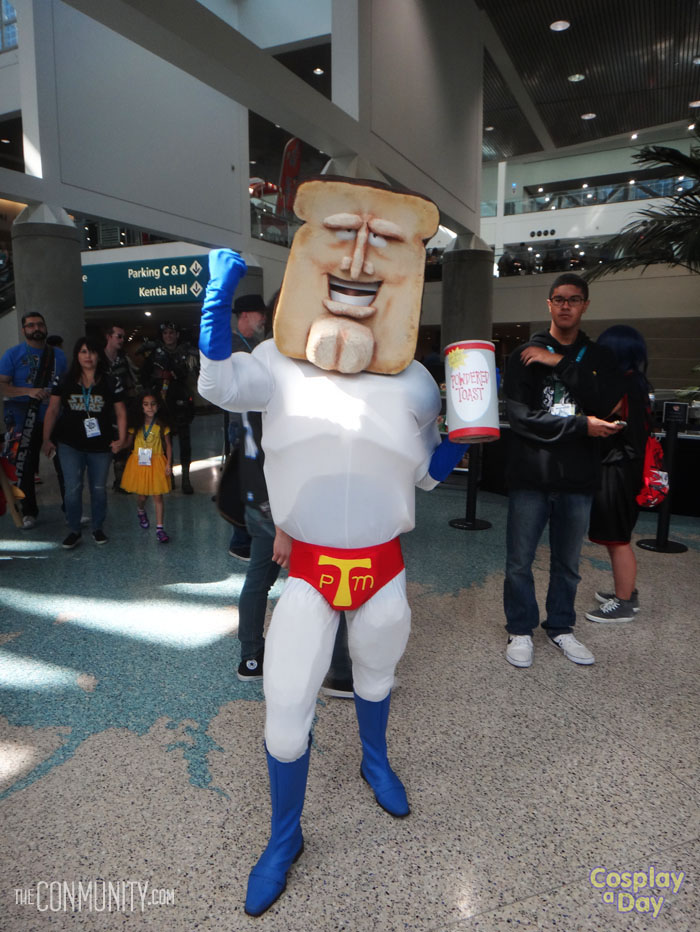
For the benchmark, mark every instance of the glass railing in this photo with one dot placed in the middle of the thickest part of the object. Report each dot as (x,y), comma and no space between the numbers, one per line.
(589,196)
(267,224)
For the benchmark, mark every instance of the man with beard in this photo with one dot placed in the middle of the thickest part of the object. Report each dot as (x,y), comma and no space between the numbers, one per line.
(28,372)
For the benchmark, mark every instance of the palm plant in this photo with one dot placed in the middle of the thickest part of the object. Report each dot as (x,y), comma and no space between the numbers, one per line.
(669,234)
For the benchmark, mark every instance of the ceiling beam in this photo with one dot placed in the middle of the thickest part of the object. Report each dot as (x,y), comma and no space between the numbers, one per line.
(503,62)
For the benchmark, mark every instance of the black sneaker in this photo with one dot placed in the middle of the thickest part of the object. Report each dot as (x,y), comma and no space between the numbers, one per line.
(241,553)
(99,537)
(249,670)
(71,541)
(339,689)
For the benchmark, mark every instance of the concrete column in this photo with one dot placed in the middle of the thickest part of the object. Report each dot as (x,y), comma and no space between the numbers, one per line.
(467,290)
(48,273)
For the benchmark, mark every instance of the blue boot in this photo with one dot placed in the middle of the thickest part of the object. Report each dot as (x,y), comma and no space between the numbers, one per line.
(389,792)
(268,878)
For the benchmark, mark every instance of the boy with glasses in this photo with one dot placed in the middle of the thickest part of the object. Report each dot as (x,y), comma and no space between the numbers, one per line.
(560,388)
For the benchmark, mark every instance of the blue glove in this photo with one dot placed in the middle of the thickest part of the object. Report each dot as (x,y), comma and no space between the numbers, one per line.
(445,458)
(226,269)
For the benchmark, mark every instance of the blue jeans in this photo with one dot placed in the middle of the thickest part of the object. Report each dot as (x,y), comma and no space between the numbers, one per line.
(260,578)
(529,511)
(73,464)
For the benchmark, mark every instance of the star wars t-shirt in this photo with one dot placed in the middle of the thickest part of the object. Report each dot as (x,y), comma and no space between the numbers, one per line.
(94,406)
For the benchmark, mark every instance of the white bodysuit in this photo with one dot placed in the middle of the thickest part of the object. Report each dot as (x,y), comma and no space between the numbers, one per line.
(343,454)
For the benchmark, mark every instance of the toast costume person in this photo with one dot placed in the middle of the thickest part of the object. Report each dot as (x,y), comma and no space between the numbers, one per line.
(349,430)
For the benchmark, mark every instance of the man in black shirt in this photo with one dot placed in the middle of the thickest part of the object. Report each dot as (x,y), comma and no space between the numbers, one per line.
(119,367)
(559,389)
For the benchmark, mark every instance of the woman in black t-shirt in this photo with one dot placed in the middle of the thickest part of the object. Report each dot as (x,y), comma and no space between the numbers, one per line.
(80,427)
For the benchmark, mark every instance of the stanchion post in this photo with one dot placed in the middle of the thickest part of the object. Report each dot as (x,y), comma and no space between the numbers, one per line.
(661,544)
(470,522)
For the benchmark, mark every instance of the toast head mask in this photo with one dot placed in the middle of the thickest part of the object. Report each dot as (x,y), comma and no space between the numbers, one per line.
(352,290)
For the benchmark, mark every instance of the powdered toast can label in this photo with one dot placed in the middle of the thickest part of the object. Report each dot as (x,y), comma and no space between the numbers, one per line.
(471,391)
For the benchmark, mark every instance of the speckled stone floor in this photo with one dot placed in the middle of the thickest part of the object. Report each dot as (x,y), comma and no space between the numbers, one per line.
(131,755)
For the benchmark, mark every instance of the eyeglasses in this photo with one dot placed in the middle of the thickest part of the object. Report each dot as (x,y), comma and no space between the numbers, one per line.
(575,301)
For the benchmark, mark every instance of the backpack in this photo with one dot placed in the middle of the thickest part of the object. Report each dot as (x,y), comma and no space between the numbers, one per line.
(654,477)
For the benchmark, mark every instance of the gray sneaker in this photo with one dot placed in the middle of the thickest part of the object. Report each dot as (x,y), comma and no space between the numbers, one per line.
(633,601)
(613,610)
(572,649)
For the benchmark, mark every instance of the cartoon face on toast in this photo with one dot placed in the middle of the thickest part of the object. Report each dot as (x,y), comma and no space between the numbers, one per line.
(352,290)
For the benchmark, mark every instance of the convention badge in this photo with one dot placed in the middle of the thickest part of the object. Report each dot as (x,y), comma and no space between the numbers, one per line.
(563,410)
(145,456)
(92,428)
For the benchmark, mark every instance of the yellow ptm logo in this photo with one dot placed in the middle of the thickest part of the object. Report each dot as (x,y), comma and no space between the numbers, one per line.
(343,598)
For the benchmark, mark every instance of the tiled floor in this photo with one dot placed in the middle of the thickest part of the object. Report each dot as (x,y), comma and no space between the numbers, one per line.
(131,754)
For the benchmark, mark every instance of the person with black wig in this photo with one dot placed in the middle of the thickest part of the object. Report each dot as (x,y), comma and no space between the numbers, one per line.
(615,510)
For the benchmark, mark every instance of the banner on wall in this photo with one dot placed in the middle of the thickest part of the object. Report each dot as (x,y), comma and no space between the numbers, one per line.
(153,281)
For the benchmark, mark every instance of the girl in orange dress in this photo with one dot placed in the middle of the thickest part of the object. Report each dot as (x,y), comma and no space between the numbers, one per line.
(148,469)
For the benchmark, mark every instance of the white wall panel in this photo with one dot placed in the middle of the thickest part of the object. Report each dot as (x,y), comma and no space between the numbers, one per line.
(9,83)
(133,127)
(426,89)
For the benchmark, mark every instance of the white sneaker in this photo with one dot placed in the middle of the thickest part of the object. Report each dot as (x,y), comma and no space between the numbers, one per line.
(573,649)
(28,523)
(519,650)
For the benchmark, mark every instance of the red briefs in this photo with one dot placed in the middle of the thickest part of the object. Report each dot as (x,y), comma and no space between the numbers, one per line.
(346,578)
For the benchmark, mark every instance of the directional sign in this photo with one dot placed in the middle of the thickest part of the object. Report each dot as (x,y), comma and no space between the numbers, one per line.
(154,281)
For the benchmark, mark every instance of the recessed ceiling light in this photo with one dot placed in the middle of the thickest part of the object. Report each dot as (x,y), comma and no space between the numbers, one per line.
(634,136)
(489,129)
(679,188)
(575,78)
(681,177)
(253,162)
(319,71)
(589,195)
(691,126)
(559,25)
(540,190)
(588,116)
(632,181)
(694,103)
(585,184)
(696,60)
(5,141)
(146,313)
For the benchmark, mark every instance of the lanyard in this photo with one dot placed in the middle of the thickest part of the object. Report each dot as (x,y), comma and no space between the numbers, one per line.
(239,334)
(86,397)
(579,355)
(147,432)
